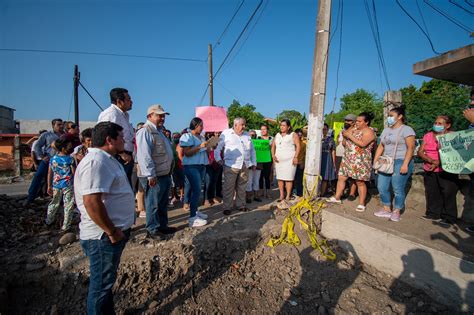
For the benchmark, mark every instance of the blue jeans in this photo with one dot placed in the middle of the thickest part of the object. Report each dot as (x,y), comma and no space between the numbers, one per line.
(40,176)
(187,190)
(104,259)
(156,202)
(211,182)
(398,183)
(195,175)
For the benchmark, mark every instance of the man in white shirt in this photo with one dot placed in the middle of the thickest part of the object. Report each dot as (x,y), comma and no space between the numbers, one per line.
(155,164)
(106,202)
(117,113)
(239,156)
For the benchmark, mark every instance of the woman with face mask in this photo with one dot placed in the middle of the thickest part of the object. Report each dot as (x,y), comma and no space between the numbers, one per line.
(398,142)
(440,187)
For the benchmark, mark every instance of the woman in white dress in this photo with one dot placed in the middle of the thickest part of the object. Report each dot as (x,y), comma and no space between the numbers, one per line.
(285,150)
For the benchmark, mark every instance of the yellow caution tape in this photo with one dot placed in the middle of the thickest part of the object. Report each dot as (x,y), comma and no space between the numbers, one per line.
(288,236)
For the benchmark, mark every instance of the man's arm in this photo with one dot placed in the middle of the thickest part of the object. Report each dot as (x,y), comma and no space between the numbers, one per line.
(39,145)
(253,155)
(97,212)
(144,158)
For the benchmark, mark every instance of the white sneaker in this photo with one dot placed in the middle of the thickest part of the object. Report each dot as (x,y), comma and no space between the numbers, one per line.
(196,222)
(333,200)
(201,215)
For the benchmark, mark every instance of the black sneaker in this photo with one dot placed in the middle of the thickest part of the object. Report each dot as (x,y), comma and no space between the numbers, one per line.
(227,212)
(429,217)
(446,222)
(248,200)
(351,198)
(167,230)
(154,236)
(257,199)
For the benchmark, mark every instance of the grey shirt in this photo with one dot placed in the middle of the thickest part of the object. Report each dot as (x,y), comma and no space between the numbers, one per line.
(389,138)
(42,146)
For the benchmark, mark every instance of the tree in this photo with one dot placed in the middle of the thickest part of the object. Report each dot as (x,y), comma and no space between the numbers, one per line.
(253,118)
(357,102)
(297,120)
(432,99)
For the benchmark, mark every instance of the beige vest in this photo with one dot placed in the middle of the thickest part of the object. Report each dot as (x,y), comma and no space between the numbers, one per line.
(163,162)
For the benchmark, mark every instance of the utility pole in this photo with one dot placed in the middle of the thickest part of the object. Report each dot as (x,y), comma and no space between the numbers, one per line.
(391,99)
(318,94)
(77,76)
(211,77)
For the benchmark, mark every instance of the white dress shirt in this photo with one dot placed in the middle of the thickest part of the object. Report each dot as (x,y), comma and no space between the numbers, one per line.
(114,114)
(238,150)
(99,172)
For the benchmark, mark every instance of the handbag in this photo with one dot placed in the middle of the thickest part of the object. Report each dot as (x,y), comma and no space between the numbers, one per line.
(385,163)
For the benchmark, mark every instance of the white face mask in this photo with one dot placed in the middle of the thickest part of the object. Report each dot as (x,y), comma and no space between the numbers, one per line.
(391,121)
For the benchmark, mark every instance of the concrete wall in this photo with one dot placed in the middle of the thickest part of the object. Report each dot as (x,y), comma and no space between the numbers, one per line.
(447,278)
(34,126)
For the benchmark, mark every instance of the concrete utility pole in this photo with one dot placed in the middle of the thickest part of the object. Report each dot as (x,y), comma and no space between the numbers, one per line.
(77,76)
(211,78)
(391,99)
(318,94)
(17,155)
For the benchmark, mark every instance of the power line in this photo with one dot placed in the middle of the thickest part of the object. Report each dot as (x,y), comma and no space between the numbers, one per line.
(249,33)
(90,96)
(228,24)
(422,18)
(230,92)
(461,7)
(232,48)
(100,54)
(70,104)
(375,34)
(447,16)
(419,26)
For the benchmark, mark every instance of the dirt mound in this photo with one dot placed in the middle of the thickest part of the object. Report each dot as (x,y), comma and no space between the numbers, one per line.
(224,268)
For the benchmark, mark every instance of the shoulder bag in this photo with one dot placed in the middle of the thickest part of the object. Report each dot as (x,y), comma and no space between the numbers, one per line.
(385,163)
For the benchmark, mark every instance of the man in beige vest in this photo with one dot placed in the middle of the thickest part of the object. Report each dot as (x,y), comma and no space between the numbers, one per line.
(155,163)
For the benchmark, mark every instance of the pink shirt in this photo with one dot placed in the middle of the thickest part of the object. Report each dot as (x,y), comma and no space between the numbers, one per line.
(431,150)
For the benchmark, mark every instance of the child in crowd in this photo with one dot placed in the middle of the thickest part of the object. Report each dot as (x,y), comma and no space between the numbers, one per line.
(60,183)
(81,150)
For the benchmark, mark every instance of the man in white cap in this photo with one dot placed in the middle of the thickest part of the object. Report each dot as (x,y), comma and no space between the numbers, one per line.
(155,163)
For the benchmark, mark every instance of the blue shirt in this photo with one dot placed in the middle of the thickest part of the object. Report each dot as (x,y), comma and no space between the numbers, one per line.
(42,147)
(191,141)
(62,168)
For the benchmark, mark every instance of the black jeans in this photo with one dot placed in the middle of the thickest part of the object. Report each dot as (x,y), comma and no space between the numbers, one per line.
(299,181)
(128,168)
(265,175)
(440,191)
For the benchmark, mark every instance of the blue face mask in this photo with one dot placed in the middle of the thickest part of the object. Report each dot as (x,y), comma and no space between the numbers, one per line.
(390,121)
(437,128)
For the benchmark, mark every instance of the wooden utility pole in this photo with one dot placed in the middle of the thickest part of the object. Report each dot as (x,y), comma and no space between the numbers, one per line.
(211,77)
(77,76)
(391,99)
(318,94)
(17,155)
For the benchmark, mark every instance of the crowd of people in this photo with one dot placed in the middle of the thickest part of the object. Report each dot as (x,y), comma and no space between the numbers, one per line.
(113,173)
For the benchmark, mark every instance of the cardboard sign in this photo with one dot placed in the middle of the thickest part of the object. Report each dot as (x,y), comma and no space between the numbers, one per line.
(214,118)
(263,150)
(337,127)
(212,142)
(457,151)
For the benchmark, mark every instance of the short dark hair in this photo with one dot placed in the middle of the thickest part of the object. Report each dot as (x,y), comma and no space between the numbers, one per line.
(117,94)
(103,130)
(55,120)
(195,122)
(368,117)
(62,143)
(86,133)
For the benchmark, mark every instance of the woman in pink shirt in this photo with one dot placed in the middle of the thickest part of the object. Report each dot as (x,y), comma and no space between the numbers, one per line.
(440,187)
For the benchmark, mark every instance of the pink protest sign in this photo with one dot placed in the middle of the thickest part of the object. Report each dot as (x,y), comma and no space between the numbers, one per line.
(214,118)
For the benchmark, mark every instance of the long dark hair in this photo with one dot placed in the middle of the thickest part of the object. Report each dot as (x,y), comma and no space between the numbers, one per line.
(400,110)
(368,117)
(195,122)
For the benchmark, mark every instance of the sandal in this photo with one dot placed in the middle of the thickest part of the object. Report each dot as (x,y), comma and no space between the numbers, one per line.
(360,208)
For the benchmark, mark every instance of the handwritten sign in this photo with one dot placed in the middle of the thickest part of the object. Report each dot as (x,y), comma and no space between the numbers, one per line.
(214,118)
(337,127)
(262,149)
(457,152)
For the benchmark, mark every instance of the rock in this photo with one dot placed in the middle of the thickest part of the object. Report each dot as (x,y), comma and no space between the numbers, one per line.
(322,310)
(286,293)
(34,266)
(407,294)
(355,291)
(153,305)
(67,238)
(54,310)
(420,304)
(67,261)
(326,297)
(293,303)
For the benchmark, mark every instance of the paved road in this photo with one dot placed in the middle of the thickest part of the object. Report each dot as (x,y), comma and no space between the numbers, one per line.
(15,188)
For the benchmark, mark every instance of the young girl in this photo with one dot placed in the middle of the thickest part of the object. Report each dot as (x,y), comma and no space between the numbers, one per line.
(60,183)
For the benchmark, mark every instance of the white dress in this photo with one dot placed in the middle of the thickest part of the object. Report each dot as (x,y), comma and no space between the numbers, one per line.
(285,152)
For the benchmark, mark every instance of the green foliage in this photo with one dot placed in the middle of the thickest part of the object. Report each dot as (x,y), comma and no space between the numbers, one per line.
(435,98)
(357,102)
(297,120)
(253,118)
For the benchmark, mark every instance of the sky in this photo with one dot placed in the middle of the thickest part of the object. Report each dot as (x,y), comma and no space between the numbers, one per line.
(270,67)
